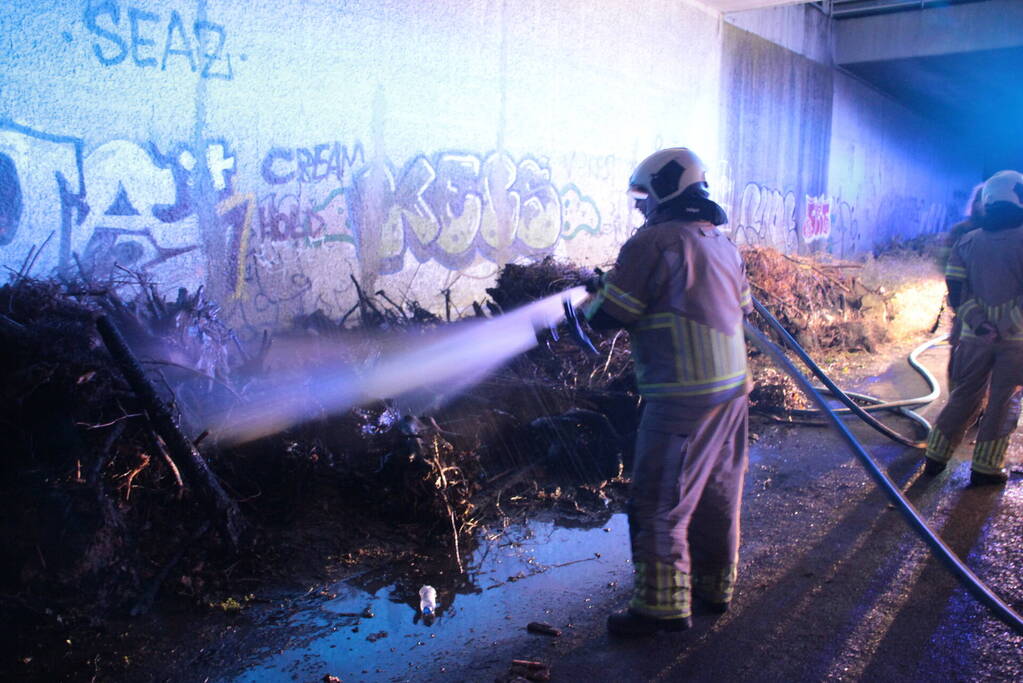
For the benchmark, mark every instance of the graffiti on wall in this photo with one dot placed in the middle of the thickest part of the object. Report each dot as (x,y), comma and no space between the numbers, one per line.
(846,238)
(145,209)
(440,214)
(125,34)
(42,185)
(455,207)
(287,217)
(10,200)
(766,217)
(125,205)
(451,207)
(120,205)
(890,218)
(605,175)
(311,164)
(817,219)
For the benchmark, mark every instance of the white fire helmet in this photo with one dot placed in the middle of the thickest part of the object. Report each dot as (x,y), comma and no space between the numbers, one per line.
(666,174)
(1004,186)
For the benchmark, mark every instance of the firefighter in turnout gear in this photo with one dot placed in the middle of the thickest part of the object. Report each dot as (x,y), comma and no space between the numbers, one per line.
(985,287)
(679,288)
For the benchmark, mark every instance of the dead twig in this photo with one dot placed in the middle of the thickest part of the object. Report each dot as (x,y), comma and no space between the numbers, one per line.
(596,556)
(937,320)
(818,270)
(225,510)
(610,355)
(396,307)
(198,373)
(765,293)
(543,629)
(365,302)
(157,446)
(447,503)
(447,303)
(105,454)
(17,273)
(134,472)
(90,427)
(351,310)
(32,257)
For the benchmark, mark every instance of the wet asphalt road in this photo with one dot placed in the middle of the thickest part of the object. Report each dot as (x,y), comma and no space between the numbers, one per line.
(833,585)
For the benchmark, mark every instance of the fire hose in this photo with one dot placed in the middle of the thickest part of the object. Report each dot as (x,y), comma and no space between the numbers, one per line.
(938,548)
(846,397)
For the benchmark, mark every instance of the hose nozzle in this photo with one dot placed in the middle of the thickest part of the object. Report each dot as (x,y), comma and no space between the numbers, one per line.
(575,330)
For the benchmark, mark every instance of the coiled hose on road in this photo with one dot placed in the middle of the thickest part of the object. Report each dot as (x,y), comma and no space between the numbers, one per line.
(970,581)
(874,404)
(846,397)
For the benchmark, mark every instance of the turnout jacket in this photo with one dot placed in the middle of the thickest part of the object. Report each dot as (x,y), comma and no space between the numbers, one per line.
(990,266)
(680,289)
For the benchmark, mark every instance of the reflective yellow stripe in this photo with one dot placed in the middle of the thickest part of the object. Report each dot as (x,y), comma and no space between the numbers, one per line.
(938,446)
(705,360)
(968,306)
(1006,316)
(660,591)
(717,353)
(679,389)
(624,299)
(715,586)
(1016,316)
(692,383)
(681,357)
(955,272)
(989,456)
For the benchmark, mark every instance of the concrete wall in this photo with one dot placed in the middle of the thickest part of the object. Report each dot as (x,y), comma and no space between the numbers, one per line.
(823,162)
(800,28)
(271,150)
(780,164)
(891,173)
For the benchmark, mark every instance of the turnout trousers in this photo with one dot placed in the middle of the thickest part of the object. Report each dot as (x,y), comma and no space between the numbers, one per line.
(684,505)
(978,367)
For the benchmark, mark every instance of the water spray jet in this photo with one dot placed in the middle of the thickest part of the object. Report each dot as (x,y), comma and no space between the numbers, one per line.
(420,371)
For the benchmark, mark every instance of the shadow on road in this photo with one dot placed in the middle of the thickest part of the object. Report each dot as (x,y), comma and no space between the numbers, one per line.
(865,602)
(916,646)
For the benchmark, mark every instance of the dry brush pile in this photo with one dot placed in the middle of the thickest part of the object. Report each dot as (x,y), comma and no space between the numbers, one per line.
(827,307)
(113,494)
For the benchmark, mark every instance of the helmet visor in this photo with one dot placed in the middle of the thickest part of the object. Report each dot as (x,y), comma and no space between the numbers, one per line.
(640,193)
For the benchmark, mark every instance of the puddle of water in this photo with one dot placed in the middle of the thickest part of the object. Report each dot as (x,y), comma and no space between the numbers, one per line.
(522,575)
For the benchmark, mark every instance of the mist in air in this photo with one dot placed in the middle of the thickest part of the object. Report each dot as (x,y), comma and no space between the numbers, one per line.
(416,371)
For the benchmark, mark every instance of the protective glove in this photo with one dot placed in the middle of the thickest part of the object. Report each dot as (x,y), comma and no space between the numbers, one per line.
(595,283)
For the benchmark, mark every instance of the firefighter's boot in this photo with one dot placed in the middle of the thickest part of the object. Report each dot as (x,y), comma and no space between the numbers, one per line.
(631,624)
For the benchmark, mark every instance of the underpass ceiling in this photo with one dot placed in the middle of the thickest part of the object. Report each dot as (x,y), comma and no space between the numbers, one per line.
(743,5)
(979,93)
(955,62)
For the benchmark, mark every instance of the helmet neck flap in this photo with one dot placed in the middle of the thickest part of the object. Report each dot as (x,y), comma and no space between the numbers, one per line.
(692,205)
